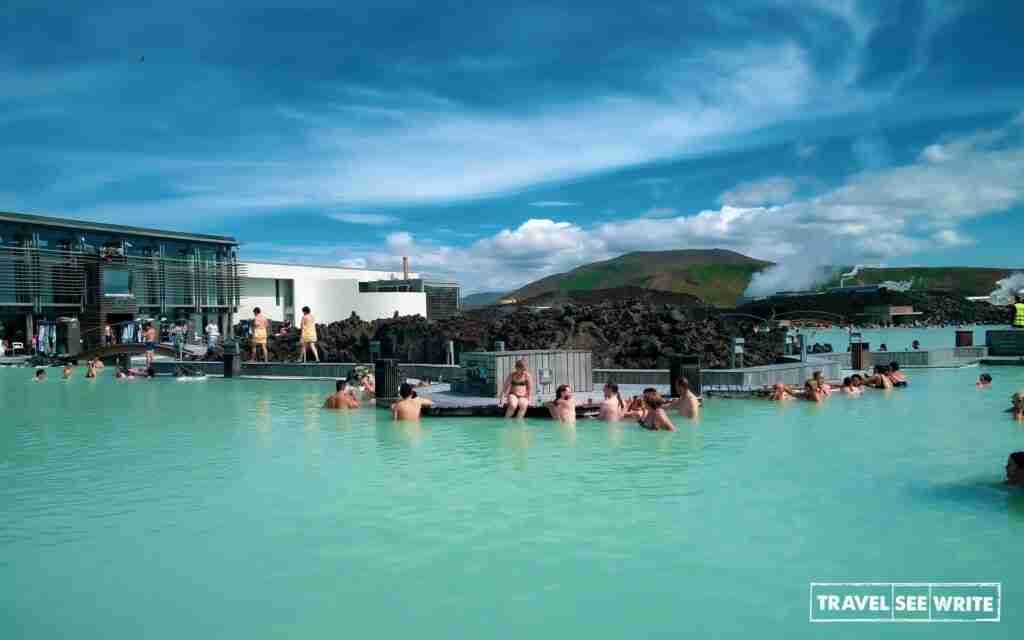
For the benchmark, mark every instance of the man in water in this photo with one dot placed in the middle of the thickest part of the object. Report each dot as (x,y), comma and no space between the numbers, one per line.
(687,404)
(259,335)
(66,374)
(613,408)
(915,345)
(779,392)
(563,407)
(410,406)
(984,381)
(1018,311)
(342,398)
(824,387)
(149,337)
(40,375)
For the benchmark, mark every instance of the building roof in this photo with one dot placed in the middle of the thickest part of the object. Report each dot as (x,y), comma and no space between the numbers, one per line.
(68,223)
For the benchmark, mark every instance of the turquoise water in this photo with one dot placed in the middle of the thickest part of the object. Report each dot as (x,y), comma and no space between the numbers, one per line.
(220,508)
(899,339)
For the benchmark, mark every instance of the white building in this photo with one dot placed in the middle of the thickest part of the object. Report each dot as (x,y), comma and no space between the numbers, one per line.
(331,293)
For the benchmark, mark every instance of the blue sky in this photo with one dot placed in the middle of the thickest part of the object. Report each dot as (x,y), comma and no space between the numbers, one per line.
(498,143)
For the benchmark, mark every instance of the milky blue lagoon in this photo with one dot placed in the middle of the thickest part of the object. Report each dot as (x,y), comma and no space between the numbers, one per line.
(218,508)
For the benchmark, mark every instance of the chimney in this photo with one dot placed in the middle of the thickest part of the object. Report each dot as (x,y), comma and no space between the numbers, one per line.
(405,267)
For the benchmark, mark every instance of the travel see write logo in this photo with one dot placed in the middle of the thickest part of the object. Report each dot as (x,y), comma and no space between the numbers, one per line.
(905,601)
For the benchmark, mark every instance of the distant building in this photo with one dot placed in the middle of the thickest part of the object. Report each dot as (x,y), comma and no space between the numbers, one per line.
(332,293)
(443,298)
(889,314)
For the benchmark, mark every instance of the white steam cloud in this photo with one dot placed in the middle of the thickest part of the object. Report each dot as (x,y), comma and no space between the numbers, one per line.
(789,275)
(1007,289)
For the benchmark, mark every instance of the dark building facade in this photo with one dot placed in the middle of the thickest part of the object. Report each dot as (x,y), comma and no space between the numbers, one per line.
(444,298)
(104,274)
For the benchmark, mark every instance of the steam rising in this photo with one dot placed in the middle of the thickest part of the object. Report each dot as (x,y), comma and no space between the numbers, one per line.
(789,275)
(1008,288)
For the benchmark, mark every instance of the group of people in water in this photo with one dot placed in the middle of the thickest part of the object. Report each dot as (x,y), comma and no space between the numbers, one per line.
(650,410)
(816,388)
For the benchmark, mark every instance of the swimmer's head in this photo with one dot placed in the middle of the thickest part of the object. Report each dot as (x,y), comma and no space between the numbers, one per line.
(894,366)
(305,310)
(652,398)
(816,376)
(256,311)
(985,378)
(40,374)
(847,381)
(683,385)
(406,391)
(341,384)
(563,392)
(611,389)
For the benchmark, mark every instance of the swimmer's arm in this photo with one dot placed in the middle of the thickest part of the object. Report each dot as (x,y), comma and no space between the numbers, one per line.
(426,402)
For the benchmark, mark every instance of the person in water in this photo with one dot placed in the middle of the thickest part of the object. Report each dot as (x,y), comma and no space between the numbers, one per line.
(655,418)
(812,393)
(848,388)
(517,392)
(40,375)
(915,345)
(984,381)
(150,338)
(342,398)
(410,406)
(613,408)
(880,379)
(1017,409)
(563,407)
(857,381)
(897,376)
(260,331)
(307,337)
(67,372)
(687,403)
(779,393)
(823,386)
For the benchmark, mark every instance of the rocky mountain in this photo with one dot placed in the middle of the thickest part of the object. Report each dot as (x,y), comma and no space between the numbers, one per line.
(716,276)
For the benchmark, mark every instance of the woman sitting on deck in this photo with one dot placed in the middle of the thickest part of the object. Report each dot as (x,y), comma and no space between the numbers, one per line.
(517,393)
(656,419)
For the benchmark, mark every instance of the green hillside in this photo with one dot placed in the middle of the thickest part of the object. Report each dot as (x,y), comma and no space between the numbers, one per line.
(716,276)
(961,281)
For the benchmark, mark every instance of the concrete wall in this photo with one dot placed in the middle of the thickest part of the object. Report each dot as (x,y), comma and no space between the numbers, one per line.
(332,293)
(260,292)
(335,300)
(1009,342)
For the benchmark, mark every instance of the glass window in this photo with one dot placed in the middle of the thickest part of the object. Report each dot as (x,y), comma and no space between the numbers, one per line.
(117,282)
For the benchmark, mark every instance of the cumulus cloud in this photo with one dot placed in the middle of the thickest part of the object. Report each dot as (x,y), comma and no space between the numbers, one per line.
(873,217)
(774,190)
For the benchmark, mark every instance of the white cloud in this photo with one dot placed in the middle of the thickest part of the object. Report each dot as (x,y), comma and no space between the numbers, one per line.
(774,190)
(873,217)
(364,218)
(805,150)
(947,238)
(553,204)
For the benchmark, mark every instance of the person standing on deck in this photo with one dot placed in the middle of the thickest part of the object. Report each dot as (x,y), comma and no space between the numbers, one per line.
(1018,311)
(150,338)
(308,335)
(259,335)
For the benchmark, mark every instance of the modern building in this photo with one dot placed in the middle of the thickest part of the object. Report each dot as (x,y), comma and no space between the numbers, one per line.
(331,293)
(443,297)
(108,274)
(57,270)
